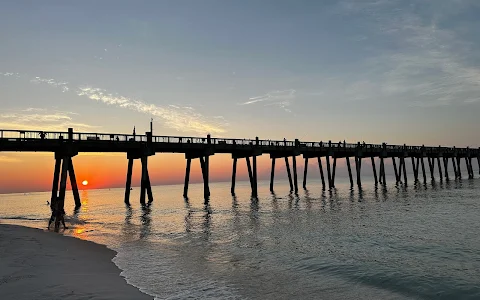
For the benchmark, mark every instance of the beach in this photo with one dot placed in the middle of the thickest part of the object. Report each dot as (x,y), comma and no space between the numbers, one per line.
(37,264)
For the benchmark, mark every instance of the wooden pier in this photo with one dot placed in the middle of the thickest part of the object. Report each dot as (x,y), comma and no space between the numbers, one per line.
(66,145)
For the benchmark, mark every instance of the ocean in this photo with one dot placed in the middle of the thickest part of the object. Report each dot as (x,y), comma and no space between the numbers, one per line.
(413,242)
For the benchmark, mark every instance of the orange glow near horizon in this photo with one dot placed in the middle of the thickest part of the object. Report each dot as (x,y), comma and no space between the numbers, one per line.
(30,172)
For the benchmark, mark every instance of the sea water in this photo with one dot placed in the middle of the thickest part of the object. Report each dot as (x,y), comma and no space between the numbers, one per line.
(398,242)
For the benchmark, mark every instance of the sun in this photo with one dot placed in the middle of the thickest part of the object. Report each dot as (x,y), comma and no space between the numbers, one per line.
(85,182)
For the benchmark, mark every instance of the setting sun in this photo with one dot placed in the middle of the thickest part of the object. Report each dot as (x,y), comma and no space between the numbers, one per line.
(85,182)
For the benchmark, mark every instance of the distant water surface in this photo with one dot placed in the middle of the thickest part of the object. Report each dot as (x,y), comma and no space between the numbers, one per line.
(415,242)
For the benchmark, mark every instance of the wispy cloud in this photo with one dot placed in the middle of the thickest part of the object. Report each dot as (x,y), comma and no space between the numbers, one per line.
(52,82)
(427,65)
(183,119)
(280,98)
(41,119)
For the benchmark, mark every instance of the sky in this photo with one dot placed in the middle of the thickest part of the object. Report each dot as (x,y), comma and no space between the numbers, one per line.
(356,70)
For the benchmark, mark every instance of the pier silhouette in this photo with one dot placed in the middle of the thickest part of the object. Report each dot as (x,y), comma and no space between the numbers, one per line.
(66,145)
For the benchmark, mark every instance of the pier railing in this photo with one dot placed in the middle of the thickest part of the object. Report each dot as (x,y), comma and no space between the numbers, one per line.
(30,135)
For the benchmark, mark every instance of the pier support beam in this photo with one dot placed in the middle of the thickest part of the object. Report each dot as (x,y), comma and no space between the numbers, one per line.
(455,167)
(204,166)
(358,166)
(415,171)
(468,162)
(321,171)
(63,168)
(349,170)
(305,170)
(334,171)
(382,171)
(234,174)
(255,182)
(439,168)
(73,184)
(287,165)
(445,167)
(471,166)
(60,202)
(128,184)
(478,162)
(431,165)
(295,177)
(187,178)
(423,171)
(459,171)
(143,181)
(56,179)
(400,170)
(404,171)
(397,178)
(272,174)
(374,170)
(329,174)
(148,187)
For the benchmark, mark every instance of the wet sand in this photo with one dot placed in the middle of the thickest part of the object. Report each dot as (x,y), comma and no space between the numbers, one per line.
(36,264)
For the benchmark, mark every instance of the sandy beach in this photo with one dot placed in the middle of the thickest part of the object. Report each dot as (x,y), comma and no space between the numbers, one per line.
(35,264)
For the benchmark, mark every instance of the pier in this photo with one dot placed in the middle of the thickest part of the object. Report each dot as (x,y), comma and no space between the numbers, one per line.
(66,145)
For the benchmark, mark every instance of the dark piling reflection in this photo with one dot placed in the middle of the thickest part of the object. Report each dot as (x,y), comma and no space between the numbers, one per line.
(145,220)
(207,221)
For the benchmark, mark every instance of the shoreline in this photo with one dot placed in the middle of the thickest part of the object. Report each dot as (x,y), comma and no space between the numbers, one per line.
(39,264)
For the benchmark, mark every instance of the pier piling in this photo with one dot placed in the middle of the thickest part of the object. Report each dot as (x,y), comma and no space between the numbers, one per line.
(334,170)
(60,202)
(295,178)
(143,181)
(415,173)
(321,172)
(382,171)
(423,170)
(404,171)
(445,167)
(349,170)
(73,184)
(455,169)
(204,167)
(287,166)
(272,174)
(234,174)
(305,170)
(255,183)
(431,166)
(329,174)
(394,163)
(439,168)
(374,170)
(459,170)
(56,180)
(128,184)
(187,178)
(358,166)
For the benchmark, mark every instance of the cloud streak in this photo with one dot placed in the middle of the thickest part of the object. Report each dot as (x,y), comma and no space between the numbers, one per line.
(182,119)
(280,98)
(428,63)
(41,119)
(52,82)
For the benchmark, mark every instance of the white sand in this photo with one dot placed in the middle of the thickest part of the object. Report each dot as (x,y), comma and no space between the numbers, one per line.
(35,264)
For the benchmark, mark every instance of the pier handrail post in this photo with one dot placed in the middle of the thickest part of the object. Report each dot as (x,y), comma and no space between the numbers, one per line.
(70,134)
